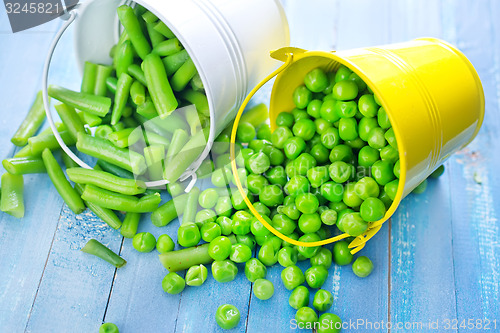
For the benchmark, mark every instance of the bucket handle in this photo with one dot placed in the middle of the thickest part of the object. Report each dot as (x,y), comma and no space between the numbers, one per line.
(285,54)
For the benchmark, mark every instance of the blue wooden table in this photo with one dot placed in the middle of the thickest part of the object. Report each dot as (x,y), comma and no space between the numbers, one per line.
(437,262)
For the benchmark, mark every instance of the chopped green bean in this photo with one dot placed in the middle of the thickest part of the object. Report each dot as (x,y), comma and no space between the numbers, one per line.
(24,165)
(131,24)
(12,199)
(106,181)
(159,86)
(98,105)
(95,248)
(170,210)
(122,93)
(30,125)
(70,119)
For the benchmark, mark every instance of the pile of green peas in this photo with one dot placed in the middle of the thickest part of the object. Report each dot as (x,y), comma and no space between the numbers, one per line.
(331,166)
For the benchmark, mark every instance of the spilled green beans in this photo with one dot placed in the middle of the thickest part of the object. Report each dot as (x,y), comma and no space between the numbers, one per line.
(106,181)
(131,24)
(95,248)
(30,125)
(98,105)
(159,86)
(12,199)
(24,165)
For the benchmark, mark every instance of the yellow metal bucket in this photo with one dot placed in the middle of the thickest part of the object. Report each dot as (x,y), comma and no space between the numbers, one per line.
(431,92)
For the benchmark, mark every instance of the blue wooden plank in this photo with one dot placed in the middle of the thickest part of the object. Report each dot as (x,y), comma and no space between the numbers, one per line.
(475,189)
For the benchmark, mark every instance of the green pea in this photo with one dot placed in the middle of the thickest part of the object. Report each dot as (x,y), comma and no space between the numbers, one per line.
(362,266)
(256,183)
(357,143)
(383,118)
(259,163)
(337,206)
(323,300)
(318,176)
(267,253)
(435,174)
(290,169)
(223,207)
(320,153)
(277,176)
(359,82)
(331,82)
(322,258)
(328,112)
(304,128)
(263,289)
(353,224)
(255,270)
(276,156)
(382,172)
(299,114)
(306,316)
(345,90)
(165,244)
(391,138)
(205,216)
(340,172)
(196,275)
(208,198)
(248,240)
(271,196)
(329,323)
(299,297)
(321,125)
(302,96)
(303,163)
(241,222)
(342,73)
(341,153)
(384,197)
(306,203)
(367,106)
(346,109)
(287,256)
(246,132)
(284,119)
(280,135)
(238,201)
(226,225)
(376,138)
(389,154)
(224,270)
(309,223)
(108,328)
(297,185)
(294,236)
(210,231)
(341,253)
(219,248)
(144,242)
(314,107)
(258,229)
(289,200)
(220,177)
(227,316)
(420,188)
(173,283)
(188,234)
(291,211)
(258,145)
(308,251)
(372,209)
(262,209)
(293,147)
(316,80)
(316,276)
(348,129)
(292,277)
(221,144)
(396,170)
(264,132)
(367,187)
(246,153)
(365,126)
(329,217)
(240,253)
(367,156)
(350,197)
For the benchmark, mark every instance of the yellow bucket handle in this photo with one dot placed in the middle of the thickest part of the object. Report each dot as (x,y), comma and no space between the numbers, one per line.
(286,54)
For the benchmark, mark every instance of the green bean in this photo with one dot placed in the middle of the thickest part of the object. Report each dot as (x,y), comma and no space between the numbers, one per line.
(168,47)
(97,105)
(30,125)
(192,118)
(191,206)
(124,57)
(167,212)
(136,72)
(170,124)
(103,131)
(40,142)
(154,36)
(105,214)
(68,161)
(24,152)
(149,17)
(88,118)
(188,154)
(164,30)
(111,83)
(106,181)
(196,83)
(158,86)
(70,119)
(62,185)
(122,202)
(118,127)
(105,150)
(131,24)
(115,170)
(174,62)
(199,100)
(147,109)
(103,73)
(138,93)
(12,199)
(121,97)
(183,75)
(180,260)
(24,165)
(89,76)
(154,155)
(130,225)
(152,138)
(179,139)
(122,138)
(97,249)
